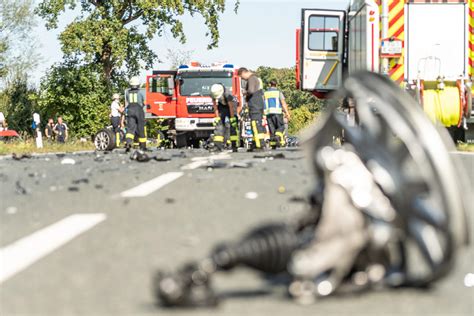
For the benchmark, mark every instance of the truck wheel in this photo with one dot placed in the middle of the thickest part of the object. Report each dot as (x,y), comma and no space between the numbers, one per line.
(104,140)
(181,140)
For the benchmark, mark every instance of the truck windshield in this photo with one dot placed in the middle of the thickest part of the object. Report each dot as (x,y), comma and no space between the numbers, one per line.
(196,85)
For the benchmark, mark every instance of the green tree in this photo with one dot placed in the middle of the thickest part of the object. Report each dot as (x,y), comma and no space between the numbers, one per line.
(286,82)
(22,103)
(116,33)
(17,45)
(77,93)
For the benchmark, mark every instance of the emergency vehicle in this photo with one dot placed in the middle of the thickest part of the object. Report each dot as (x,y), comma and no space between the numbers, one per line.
(425,46)
(181,99)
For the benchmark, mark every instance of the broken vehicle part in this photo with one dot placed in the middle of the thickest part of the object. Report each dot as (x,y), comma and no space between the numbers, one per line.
(387,208)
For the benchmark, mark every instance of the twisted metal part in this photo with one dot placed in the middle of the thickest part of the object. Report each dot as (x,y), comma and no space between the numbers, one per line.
(387,208)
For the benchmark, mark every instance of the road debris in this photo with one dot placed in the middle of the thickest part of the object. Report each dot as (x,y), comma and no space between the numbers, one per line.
(73,189)
(20,189)
(251,195)
(281,189)
(20,157)
(140,156)
(99,186)
(161,158)
(270,156)
(68,161)
(170,201)
(79,181)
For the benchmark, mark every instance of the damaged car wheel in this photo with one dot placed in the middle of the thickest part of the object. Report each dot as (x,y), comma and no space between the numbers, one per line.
(104,140)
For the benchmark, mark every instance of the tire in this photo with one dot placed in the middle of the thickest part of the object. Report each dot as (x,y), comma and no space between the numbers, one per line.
(104,140)
(181,140)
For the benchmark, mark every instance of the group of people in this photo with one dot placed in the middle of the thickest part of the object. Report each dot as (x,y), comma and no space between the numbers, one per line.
(56,131)
(270,103)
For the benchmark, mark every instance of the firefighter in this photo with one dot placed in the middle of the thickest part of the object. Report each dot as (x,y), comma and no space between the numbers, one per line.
(275,106)
(225,107)
(135,115)
(255,100)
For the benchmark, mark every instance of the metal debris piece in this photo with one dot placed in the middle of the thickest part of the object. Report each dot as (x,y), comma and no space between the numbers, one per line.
(20,189)
(99,186)
(268,156)
(181,154)
(140,156)
(78,181)
(20,157)
(169,200)
(162,158)
(73,189)
(240,164)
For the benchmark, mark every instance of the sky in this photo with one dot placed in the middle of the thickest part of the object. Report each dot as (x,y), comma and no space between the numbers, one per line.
(262,33)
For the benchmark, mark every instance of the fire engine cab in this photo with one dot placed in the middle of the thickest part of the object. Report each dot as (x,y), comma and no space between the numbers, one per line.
(181,99)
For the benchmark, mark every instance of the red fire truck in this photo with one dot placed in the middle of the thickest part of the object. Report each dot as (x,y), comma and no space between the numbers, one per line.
(181,99)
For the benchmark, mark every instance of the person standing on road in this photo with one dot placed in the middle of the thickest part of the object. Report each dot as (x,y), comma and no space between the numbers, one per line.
(255,100)
(61,130)
(225,107)
(116,110)
(135,115)
(49,130)
(275,106)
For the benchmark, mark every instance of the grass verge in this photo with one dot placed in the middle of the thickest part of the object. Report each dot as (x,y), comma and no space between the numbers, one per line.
(29,147)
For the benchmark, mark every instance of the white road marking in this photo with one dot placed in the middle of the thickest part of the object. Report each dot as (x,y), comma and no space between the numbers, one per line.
(201,161)
(25,251)
(151,186)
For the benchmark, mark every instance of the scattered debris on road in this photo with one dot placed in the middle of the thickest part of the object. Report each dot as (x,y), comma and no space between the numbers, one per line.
(270,156)
(73,189)
(21,157)
(140,156)
(281,189)
(20,189)
(79,181)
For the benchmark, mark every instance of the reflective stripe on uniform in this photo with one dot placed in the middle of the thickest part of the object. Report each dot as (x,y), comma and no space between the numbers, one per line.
(218,138)
(282,138)
(272,102)
(130,136)
(133,97)
(142,140)
(117,139)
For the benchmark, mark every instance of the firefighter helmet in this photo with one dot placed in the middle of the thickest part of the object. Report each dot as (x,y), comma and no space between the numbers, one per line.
(217,90)
(134,82)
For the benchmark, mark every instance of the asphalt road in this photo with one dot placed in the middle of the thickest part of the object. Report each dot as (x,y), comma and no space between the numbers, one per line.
(106,268)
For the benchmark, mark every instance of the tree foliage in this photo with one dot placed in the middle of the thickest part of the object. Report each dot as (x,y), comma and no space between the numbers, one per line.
(17,45)
(78,94)
(116,33)
(303,105)
(22,103)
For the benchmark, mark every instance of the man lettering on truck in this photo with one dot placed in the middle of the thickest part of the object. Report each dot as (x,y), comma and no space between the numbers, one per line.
(255,100)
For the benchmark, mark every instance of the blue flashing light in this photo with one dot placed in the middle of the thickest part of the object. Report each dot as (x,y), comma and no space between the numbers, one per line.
(228,66)
(183,67)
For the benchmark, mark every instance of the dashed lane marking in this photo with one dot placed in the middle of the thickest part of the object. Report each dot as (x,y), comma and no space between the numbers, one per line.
(26,251)
(151,186)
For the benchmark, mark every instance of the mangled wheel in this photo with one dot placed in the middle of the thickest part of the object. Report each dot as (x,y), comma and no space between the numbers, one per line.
(396,171)
(104,140)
